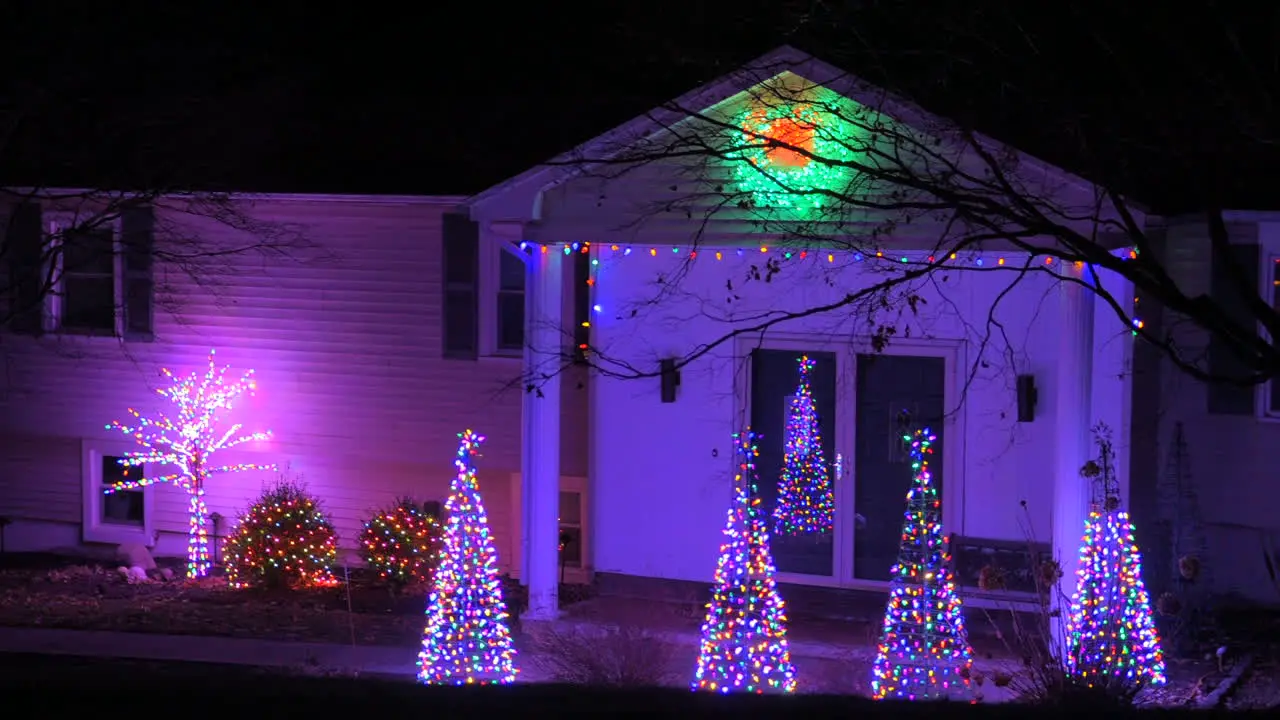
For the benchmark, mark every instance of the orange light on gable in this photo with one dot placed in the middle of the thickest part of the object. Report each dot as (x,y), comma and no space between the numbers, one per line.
(793,132)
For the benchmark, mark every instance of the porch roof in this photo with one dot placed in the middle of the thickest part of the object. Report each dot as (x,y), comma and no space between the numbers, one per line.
(519,198)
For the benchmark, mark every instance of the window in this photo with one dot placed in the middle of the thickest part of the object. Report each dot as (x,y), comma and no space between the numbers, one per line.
(88,281)
(127,516)
(125,507)
(100,268)
(571,529)
(510,305)
(484,287)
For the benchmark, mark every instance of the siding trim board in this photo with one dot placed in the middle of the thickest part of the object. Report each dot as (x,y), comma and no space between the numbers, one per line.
(1267,395)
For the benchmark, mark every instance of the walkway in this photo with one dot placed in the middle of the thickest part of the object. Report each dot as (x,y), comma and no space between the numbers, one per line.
(823,666)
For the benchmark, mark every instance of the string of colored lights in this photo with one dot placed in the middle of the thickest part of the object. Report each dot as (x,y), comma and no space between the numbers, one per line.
(187,442)
(1111,634)
(399,543)
(466,640)
(924,651)
(608,253)
(283,538)
(806,503)
(744,636)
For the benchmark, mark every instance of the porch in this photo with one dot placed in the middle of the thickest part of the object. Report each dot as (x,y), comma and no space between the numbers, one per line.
(657,513)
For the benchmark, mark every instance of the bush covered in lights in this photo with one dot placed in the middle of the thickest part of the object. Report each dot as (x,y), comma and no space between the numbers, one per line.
(282,540)
(399,543)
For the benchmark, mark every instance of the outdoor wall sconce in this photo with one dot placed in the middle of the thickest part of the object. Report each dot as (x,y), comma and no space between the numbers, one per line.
(670,376)
(1027,397)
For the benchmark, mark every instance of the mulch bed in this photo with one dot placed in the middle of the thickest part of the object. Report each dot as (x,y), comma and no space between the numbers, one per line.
(97,597)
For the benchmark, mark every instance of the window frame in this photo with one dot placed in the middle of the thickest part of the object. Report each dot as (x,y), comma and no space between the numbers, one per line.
(93,528)
(490,289)
(581,574)
(56,224)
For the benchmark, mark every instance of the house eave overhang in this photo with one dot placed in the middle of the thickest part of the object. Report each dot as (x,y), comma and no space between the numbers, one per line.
(519,199)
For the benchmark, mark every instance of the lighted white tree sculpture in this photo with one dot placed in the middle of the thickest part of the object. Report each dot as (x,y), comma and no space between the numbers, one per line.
(187,441)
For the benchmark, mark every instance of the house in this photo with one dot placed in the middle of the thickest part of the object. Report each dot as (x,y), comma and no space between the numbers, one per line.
(414,317)
(1208,478)
(660,447)
(376,338)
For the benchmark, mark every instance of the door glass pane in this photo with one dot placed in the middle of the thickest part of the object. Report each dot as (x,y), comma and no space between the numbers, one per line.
(775,375)
(894,395)
(125,507)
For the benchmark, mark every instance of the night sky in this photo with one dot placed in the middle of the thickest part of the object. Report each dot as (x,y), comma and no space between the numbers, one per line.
(1179,106)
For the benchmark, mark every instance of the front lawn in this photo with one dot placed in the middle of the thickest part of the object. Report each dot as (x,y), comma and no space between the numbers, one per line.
(54,594)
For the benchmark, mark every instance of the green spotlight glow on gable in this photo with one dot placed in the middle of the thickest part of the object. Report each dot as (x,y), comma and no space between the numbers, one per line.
(794,176)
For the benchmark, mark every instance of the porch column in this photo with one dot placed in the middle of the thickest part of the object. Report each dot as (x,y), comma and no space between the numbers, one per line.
(1072,403)
(540,471)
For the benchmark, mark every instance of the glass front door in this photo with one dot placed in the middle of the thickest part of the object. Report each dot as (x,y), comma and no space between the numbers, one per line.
(885,396)
(893,394)
(800,546)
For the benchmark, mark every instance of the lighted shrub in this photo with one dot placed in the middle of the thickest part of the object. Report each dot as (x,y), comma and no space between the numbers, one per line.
(282,540)
(399,543)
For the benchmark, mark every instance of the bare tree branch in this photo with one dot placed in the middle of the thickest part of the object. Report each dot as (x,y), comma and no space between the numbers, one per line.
(911,179)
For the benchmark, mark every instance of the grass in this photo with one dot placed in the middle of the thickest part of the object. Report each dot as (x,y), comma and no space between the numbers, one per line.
(120,686)
(96,597)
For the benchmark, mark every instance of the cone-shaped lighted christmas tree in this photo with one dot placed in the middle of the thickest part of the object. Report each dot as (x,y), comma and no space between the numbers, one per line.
(467,640)
(1111,636)
(806,504)
(744,638)
(924,652)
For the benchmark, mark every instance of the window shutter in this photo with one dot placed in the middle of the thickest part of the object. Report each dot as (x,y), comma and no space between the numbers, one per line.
(461,261)
(137,234)
(25,240)
(1227,399)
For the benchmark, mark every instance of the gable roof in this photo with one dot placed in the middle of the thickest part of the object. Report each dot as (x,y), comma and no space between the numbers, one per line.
(528,185)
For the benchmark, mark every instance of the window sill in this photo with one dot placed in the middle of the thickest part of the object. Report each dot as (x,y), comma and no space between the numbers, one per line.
(503,360)
(83,332)
(112,534)
(491,358)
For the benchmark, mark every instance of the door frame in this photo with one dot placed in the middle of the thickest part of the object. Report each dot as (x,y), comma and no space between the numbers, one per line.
(846,350)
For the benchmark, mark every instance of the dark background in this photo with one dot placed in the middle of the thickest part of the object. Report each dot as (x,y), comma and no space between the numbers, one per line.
(1174,103)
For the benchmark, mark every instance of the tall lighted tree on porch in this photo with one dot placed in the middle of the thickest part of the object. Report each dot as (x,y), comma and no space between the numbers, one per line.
(466,640)
(744,636)
(806,505)
(187,440)
(924,652)
(1111,636)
